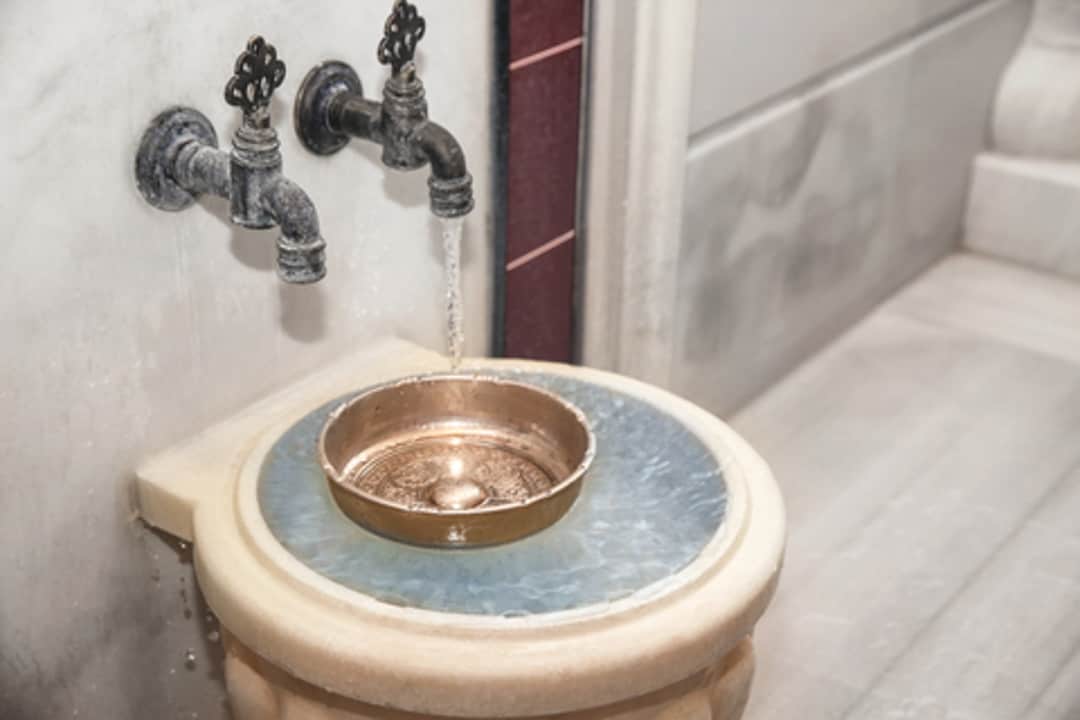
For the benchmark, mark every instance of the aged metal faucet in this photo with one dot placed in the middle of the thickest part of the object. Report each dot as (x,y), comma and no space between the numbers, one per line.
(331,107)
(178,160)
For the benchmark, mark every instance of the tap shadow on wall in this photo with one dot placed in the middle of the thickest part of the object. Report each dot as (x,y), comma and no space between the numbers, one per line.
(400,187)
(407,188)
(303,311)
(302,308)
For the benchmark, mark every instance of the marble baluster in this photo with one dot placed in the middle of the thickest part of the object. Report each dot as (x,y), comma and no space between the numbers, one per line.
(1025,191)
(1038,105)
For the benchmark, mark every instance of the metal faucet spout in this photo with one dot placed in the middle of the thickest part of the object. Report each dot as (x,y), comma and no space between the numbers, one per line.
(301,248)
(443,151)
(450,183)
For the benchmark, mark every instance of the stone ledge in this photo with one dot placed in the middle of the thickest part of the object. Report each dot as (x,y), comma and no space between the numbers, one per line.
(1027,211)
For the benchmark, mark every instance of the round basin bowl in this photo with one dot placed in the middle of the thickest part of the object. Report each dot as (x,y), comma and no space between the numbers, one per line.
(455,460)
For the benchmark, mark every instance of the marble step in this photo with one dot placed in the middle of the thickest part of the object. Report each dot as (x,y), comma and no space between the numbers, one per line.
(1027,211)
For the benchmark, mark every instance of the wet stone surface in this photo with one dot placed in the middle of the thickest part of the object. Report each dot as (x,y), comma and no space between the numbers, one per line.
(654,498)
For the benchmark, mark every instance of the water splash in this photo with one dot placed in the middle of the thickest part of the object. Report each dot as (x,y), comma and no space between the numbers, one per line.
(455,332)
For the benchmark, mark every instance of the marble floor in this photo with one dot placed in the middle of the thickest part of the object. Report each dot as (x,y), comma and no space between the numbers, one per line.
(930,459)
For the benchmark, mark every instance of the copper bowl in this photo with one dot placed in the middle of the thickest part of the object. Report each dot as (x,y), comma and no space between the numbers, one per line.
(456,460)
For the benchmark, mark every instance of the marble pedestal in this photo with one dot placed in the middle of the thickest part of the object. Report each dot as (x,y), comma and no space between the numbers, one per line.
(313,632)
(258,690)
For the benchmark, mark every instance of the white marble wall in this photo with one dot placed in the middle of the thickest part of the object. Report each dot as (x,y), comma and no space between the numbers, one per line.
(749,51)
(124,329)
(803,215)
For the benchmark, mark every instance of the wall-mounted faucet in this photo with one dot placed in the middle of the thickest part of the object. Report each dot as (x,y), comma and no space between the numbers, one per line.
(331,107)
(178,159)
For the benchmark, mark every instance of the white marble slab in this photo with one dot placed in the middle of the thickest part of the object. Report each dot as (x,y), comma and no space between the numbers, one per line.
(1060,698)
(1027,211)
(800,218)
(748,52)
(1001,642)
(932,474)
(1008,303)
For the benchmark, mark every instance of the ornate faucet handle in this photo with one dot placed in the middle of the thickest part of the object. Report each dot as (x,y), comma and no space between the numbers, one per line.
(403,30)
(257,73)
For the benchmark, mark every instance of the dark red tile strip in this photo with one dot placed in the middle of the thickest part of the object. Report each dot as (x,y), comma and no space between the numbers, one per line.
(536,25)
(542,174)
(539,300)
(542,116)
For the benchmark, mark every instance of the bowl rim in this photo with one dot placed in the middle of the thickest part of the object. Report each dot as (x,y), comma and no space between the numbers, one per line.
(570,481)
